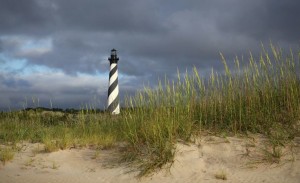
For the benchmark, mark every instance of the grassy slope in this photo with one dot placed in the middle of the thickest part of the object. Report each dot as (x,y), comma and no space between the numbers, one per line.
(262,96)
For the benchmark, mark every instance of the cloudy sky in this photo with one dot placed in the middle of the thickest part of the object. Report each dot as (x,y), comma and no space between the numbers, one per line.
(54,52)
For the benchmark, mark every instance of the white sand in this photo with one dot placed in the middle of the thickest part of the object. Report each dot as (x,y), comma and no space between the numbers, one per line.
(198,162)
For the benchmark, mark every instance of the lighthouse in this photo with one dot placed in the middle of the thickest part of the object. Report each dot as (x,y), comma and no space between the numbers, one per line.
(113,104)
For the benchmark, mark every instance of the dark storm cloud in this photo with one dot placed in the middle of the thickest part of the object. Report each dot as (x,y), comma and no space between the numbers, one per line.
(264,20)
(38,16)
(198,32)
(164,35)
(1,46)
(13,83)
(126,15)
(72,54)
(25,17)
(153,38)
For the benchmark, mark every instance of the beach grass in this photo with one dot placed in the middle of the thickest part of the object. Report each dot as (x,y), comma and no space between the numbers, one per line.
(221,175)
(261,95)
(6,154)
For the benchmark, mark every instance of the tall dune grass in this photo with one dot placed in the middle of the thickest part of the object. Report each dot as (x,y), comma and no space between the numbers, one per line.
(261,96)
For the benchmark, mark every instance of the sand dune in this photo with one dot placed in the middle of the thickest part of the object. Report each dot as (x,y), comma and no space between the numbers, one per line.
(238,159)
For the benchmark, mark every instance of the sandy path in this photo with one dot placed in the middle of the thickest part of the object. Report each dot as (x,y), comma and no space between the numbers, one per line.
(198,162)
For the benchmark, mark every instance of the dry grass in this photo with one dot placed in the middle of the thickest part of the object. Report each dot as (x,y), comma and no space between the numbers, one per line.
(6,154)
(221,175)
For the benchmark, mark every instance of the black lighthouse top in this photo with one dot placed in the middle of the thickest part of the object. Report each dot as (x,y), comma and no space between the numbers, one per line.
(113,57)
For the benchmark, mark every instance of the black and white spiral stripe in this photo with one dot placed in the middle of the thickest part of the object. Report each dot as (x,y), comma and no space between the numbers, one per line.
(113,90)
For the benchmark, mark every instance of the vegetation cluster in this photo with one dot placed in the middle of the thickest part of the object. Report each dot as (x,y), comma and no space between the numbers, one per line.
(261,95)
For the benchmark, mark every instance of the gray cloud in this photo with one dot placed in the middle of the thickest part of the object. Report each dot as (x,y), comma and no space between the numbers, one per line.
(117,16)
(264,20)
(1,46)
(13,83)
(153,38)
(25,17)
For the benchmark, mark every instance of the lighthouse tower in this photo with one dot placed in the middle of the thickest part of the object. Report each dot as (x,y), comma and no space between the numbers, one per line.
(113,104)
